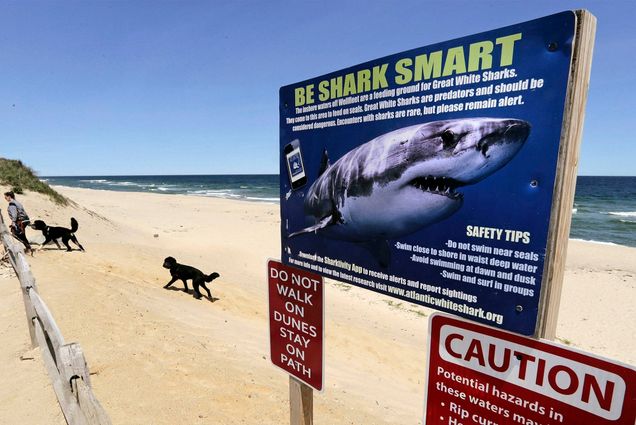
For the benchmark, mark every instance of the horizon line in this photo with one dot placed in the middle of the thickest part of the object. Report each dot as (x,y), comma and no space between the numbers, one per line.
(242,174)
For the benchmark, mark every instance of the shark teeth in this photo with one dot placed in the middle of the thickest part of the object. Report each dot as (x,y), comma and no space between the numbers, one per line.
(438,185)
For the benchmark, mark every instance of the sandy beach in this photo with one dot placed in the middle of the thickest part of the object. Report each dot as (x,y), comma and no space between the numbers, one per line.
(161,357)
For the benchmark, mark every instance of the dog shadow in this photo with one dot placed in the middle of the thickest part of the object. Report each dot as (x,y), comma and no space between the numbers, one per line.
(54,248)
(191,292)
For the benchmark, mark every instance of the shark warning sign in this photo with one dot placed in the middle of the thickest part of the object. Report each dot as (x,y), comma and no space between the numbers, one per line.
(429,175)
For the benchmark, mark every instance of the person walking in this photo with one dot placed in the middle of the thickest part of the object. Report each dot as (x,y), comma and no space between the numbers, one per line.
(19,220)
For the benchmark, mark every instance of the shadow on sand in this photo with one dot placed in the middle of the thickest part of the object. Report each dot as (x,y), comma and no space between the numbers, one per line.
(191,292)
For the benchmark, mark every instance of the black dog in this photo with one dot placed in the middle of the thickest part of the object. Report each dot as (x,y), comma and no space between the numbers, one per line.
(183,272)
(55,233)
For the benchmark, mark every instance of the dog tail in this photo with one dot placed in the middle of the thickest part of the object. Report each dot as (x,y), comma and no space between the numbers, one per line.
(74,225)
(211,277)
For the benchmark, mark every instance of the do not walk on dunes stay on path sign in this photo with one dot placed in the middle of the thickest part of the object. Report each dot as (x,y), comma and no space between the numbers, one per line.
(296,318)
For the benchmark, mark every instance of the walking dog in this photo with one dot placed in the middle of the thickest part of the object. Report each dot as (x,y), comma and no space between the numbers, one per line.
(184,273)
(53,233)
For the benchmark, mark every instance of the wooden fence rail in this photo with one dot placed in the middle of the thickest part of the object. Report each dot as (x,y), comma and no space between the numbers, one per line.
(65,363)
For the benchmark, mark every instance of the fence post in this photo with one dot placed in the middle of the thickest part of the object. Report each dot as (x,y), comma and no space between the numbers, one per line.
(73,363)
(75,370)
(23,271)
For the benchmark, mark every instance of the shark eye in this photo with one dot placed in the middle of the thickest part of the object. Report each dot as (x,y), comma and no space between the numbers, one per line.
(448,138)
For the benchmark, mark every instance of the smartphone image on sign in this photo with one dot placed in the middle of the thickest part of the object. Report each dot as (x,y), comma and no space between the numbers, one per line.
(295,166)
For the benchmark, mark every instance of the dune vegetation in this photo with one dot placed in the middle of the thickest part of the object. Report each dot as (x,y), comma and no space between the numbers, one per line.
(19,177)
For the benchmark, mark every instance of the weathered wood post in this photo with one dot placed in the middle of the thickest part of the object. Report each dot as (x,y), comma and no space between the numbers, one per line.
(76,374)
(565,184)
(301,403)
(22,269)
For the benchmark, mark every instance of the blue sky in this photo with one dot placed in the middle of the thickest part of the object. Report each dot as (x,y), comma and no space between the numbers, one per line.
(189,87)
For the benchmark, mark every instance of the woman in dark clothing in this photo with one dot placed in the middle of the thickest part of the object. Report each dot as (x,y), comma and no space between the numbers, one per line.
(19,220)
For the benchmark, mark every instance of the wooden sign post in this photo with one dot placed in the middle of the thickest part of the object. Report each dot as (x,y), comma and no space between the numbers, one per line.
(301,403)
(565,182)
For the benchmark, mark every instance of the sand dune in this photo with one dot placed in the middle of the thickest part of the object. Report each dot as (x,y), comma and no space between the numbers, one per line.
(161,357)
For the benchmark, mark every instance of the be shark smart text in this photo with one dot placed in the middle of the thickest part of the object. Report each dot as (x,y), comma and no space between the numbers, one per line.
(457,60)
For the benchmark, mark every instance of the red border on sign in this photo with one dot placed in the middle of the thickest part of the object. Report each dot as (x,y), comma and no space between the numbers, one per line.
(318,322)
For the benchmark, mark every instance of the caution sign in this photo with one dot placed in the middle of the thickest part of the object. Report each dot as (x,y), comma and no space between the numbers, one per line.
(296,317)
(480,375)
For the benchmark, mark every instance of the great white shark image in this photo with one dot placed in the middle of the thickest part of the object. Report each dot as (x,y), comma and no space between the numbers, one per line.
(407,179)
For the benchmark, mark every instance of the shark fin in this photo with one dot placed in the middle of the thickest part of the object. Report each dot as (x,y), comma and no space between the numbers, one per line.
(324,162)
(320,225)
(332,218)
(381,251)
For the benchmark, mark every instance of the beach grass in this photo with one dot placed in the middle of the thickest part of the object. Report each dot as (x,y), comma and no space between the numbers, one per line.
(19,177)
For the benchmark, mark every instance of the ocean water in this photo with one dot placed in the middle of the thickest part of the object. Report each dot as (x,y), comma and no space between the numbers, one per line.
(605,210)
(254,187)
(604,207)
